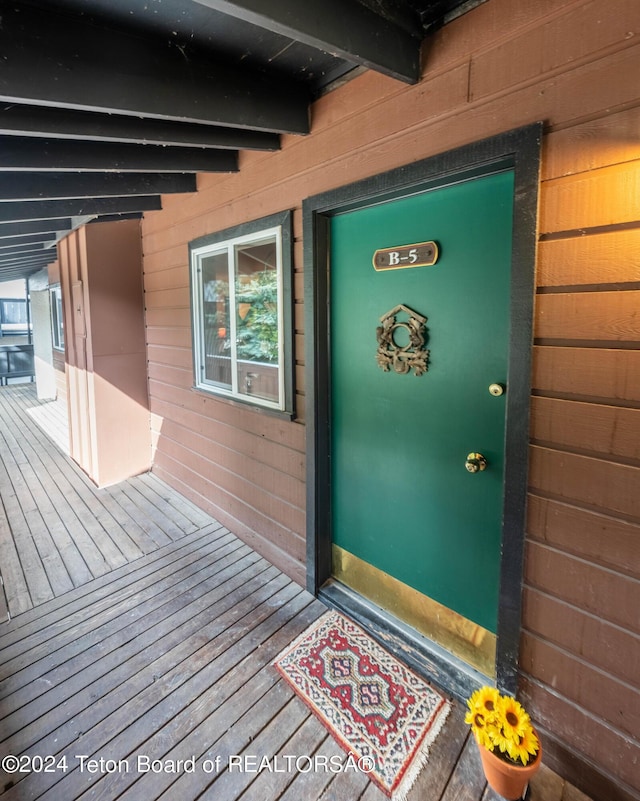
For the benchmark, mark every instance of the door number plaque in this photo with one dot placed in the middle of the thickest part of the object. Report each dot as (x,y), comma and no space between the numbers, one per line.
(424,254)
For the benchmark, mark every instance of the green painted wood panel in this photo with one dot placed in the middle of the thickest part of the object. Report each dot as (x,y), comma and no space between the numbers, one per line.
(402,499)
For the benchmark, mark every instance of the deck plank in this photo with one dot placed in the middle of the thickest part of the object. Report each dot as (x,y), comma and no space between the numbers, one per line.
(117,724)
(45,493)
(374,793)
(60,611)
(234,780)
(348,785)
(159,528)
(182,506)
(46,527)
(61,494)
(52,417)
(237,700)
(16,590)
(72,480)
(467,781)
(222,719)
(4,609)
(314,783)
(37,582)
(102,631)
(443,756)
(66,531)
(164,510)
(70,487)
(301,745)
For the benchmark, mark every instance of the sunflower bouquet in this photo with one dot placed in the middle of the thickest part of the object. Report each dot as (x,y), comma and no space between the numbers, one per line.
(501,725)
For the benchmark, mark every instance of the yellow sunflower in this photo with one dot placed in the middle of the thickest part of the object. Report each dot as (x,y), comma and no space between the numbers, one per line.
(482,715)
(515,721)
(500,724)
(478,723)
(526,748)
(501,740)
(488,699)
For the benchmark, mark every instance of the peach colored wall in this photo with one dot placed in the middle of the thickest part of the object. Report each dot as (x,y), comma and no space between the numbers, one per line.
(101,274)
(573,64)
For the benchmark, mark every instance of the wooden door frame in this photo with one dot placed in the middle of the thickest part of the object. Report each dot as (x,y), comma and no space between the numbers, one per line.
(518,150)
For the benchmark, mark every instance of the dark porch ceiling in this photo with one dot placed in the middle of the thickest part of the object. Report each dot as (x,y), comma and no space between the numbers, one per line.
(105,105)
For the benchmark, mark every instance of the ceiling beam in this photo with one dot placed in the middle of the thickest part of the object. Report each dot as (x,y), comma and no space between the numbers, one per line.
(17,229)
(17,211)
(32,261)
(61,185)
(24,268)
(20,250)
(345,28)
(55,123)
(12,273)
(45,256)
(30,153)
(32,255)
(31,239)
(54,59)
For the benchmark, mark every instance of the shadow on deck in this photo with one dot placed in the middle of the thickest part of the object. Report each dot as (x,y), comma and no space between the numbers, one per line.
(144,630)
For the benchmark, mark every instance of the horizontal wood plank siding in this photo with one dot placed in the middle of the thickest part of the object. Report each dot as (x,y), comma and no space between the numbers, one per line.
(589,637)
(573,64)
(582,588)
(589,373)
(614,257)
(602,197)
(604,430)
(589,316)
(613,700)
(596,537)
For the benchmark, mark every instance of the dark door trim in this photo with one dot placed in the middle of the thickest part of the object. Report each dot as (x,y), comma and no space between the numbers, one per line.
(518,150)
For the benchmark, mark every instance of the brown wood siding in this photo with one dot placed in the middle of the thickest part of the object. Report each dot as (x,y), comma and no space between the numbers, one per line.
(575,65)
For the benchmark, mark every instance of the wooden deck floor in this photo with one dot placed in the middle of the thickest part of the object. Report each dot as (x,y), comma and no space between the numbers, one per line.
(163,654)
(59,531)
(169,658)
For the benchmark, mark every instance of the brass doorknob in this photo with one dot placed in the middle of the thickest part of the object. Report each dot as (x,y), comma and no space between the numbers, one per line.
(475,463)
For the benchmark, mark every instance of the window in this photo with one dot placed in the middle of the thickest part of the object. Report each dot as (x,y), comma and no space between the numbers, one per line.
(13,316)
(57,319)
(241,310)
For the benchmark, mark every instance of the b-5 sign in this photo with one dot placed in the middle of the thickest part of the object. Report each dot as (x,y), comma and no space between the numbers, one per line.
(424,254)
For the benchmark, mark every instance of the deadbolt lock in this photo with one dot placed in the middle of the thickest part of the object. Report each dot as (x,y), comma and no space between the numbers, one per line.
(496,390)
(475,463)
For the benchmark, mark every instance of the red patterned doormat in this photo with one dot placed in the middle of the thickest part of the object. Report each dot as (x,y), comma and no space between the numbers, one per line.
(378,709)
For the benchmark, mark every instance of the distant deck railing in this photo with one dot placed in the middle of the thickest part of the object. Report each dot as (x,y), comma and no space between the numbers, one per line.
(16,361)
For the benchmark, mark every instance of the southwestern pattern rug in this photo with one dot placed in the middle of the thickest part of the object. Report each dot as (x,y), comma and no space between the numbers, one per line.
(379,710)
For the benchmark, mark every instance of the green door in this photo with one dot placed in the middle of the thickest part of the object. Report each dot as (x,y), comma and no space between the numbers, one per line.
(403,500)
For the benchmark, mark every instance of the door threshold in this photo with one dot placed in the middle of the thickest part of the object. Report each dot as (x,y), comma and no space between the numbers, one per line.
(427,658)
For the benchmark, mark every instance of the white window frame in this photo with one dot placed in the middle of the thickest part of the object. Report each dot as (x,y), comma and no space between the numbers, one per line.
(57,317)
(278,228)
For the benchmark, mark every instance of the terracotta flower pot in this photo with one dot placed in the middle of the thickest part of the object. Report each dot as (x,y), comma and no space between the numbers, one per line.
(508,780)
